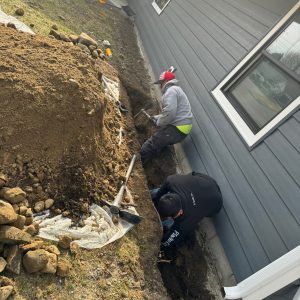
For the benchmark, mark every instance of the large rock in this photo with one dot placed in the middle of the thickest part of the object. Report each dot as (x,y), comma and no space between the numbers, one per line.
(51,265)
(14,260)
(3,264)
(49,203)
(74,38)
(20,12)
(3,180)
(35,261)
(6,281)
(14,195)
(39,206)
(86,40)
(6,291)
(20,222)
(13,235)
(7,213)
(55,34)
(63,268)
(84,48)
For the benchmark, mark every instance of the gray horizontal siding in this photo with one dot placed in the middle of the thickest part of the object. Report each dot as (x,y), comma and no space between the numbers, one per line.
(205,39)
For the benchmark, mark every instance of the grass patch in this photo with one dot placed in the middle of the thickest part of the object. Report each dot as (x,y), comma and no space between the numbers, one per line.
(42,23)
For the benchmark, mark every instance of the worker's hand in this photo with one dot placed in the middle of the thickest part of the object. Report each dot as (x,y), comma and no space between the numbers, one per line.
(153,119)
(161,258)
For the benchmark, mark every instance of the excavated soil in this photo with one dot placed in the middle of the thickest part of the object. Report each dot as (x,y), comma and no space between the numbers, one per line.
(59,139)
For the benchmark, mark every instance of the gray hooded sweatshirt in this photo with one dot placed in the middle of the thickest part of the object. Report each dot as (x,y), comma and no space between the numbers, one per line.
(176,109)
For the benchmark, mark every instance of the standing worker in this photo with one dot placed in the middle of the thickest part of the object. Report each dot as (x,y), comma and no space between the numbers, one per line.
(182,202)
(175,120)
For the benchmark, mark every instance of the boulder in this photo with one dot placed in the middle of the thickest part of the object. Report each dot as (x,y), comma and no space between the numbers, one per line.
(55,34)
(20,12)
(52,249)
(6,281)
(51,265)
(3,264)
(28,221)
(36,260)
(20,222)
(74,38)
(92,48)
(86,40)
(31,229)
(39,206)
(32,246)
(3,180)
(13,235)
(49,203)
(55,27)
(7,213)
(63,268)
(6,291)
(95,54)
(14,260)
(84,48)
(64,241)
(28,212)
(23,210)
(64,38)
(14,195)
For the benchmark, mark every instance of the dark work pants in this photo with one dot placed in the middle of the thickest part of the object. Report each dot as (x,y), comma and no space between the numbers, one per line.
(165,136)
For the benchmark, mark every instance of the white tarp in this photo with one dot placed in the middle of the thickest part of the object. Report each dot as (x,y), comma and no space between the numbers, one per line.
(99,230)
(4,19)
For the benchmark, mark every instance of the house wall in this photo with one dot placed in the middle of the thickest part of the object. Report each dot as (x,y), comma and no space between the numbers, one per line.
(205,39)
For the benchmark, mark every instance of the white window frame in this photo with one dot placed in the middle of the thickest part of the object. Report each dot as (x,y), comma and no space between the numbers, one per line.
(251,139)
(156,7)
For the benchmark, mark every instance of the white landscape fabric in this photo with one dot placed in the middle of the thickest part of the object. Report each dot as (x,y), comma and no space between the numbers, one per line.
(98,229)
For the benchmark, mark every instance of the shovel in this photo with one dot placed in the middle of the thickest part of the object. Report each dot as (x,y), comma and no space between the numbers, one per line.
(115,206)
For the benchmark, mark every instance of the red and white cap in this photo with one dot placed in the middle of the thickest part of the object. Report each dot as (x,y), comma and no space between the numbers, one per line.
(165,76)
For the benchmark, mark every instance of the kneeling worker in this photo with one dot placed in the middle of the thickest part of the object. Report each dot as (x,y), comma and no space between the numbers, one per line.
(182,202)
(175,120)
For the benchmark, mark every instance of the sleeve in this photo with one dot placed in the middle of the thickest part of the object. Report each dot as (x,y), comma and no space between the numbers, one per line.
(169,108)
(172,237)
(164,189)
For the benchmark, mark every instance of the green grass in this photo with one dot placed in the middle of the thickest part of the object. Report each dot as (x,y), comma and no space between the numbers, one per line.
(42,23)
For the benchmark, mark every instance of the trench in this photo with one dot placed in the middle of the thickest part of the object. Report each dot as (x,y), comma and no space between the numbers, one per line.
(186,276)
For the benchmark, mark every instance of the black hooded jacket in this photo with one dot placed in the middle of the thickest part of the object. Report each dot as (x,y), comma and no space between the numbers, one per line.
(200,197)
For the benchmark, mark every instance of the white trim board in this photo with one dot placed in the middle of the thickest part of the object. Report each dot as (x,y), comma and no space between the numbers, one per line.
(157,8)
(240,125)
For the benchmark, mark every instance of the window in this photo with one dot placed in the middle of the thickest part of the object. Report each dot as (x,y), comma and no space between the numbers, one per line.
(264,89)
(160,5)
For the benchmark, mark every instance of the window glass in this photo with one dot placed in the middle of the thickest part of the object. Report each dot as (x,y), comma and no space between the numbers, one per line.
(161,3)
(264,92)
(286,48)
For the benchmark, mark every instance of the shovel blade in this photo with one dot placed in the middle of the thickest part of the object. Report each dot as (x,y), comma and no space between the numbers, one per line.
(130,217)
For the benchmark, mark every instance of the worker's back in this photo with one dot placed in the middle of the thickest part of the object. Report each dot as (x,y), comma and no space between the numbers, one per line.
(200,197)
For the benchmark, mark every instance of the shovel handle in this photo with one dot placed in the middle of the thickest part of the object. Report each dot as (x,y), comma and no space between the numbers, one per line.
(119,196)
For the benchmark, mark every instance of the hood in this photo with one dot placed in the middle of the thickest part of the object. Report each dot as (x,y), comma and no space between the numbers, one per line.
(168,84)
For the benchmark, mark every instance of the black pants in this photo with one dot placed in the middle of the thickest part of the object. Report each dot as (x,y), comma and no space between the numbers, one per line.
(165,136)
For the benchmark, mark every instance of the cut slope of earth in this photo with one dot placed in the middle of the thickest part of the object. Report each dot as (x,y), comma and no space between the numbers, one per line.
(59,135)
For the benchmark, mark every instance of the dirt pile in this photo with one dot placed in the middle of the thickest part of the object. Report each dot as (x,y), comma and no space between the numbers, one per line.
(52,120)
(60,140)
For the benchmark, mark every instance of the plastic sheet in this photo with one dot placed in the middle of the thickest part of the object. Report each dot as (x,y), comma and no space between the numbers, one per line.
(99,230)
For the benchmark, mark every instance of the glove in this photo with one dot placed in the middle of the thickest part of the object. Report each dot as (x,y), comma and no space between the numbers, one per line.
(153,193)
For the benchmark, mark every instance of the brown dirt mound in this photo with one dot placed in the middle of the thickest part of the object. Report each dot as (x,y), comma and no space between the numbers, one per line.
(59,139)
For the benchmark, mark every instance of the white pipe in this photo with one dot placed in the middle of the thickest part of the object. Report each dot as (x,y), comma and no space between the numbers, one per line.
(268,280)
